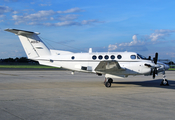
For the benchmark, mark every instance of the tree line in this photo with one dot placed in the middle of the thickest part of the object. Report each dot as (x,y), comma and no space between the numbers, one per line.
(21,60)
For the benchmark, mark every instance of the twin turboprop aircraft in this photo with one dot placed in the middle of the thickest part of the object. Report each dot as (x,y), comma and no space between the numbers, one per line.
(110,64)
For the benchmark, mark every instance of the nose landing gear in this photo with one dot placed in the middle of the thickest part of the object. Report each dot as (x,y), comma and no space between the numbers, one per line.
(164,81)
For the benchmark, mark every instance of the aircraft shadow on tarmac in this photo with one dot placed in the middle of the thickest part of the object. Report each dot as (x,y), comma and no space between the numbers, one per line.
(149,83)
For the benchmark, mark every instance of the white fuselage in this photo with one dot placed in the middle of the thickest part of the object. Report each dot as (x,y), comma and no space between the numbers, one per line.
(87,62)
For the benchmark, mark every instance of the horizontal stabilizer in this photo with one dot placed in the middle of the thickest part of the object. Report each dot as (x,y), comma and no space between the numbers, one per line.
(21,32)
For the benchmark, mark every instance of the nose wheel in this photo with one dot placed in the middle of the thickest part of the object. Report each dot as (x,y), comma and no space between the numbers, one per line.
(164,81)
(108,82)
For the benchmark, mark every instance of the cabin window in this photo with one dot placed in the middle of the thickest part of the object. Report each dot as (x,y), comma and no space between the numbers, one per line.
(100,57)
(119,56)
(133,57)
(72,57)
(94,57)
(112,57)
(106,57)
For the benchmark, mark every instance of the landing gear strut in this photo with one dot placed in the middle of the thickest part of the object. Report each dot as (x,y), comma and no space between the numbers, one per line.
(108,82)
(164,81)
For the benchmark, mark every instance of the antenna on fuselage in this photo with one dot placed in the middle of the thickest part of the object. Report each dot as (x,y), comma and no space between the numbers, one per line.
(90,50)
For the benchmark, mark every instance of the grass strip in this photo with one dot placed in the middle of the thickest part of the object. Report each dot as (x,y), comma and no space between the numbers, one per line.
(171,69)
(27,66)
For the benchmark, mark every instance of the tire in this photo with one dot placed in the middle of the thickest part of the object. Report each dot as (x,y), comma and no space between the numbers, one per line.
(108,84)
(110,80)
(164,82)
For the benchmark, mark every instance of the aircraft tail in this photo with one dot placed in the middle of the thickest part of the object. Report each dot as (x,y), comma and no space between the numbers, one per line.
(32,44)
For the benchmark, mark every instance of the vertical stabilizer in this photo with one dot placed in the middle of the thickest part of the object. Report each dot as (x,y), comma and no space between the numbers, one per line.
(32,44)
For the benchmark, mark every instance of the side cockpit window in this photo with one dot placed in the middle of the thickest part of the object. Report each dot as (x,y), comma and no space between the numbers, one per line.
(138,57)
(141,57)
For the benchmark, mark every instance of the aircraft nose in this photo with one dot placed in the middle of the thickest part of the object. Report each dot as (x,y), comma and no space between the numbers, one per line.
(166,67)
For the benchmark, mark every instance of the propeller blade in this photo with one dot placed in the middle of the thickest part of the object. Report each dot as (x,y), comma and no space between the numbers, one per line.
(151,73)
(155,69)
(156,58)
(154,73)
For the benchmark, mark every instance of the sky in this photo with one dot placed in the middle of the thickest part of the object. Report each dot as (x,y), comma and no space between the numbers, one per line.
(142,26)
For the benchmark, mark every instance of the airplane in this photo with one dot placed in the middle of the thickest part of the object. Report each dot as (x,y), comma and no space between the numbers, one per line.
(110,64)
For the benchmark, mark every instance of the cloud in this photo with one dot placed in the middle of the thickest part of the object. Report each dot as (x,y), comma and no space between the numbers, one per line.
(66,23)
(172,54)
(135,42)
(72,10)
(45,17)
(11,0)
(1,21)
(67,17)
(53,18)
(112,47)
(45,5)
(5,9)
(160,34)
(1,16)
(88,22)
(40,15)
(146,40)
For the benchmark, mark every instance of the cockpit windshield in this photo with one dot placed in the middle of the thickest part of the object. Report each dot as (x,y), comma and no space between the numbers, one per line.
(141,57)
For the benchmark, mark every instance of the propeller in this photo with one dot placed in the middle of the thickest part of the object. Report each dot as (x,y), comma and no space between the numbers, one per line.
(155,68)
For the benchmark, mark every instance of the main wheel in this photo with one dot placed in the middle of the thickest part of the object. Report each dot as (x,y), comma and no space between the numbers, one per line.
(108,84)
(110,80)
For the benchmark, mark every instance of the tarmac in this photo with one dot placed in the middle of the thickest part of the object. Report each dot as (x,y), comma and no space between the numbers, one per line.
(58,95)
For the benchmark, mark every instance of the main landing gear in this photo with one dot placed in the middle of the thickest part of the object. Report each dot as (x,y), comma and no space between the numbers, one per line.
(164,81)
(108,82)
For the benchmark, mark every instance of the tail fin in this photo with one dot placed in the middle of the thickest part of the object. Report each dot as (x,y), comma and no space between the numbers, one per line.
(32,44)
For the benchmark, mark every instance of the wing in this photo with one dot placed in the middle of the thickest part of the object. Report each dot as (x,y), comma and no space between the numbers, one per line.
(108,67)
